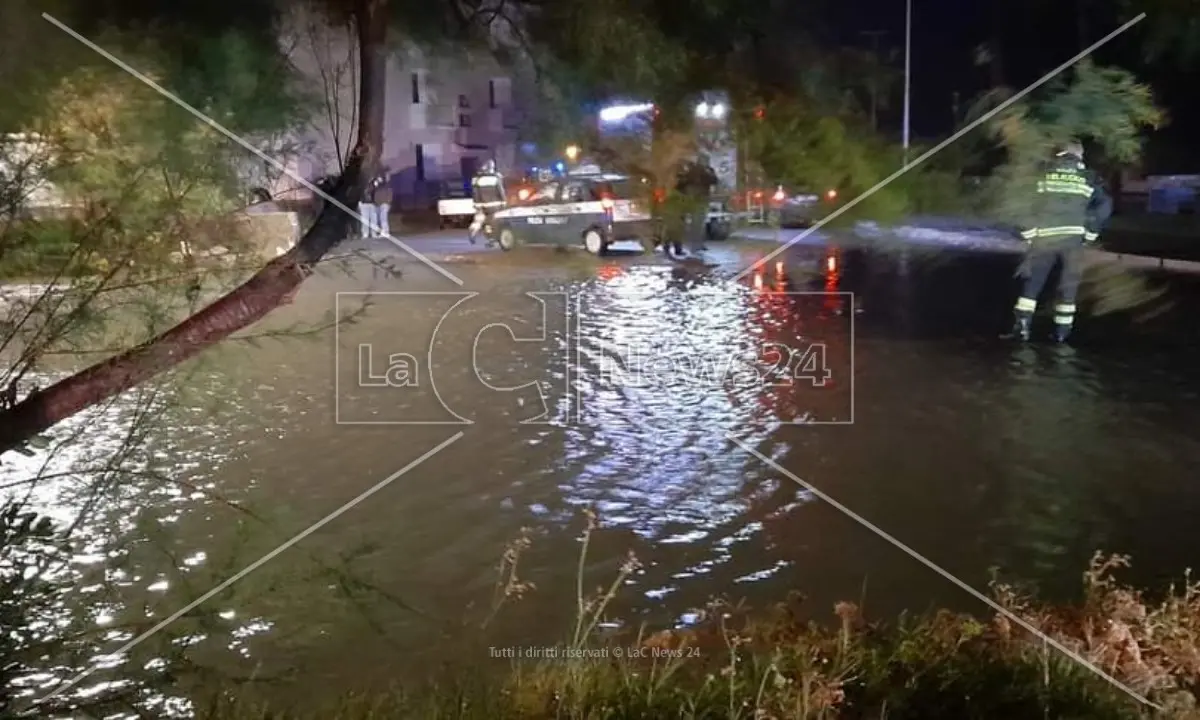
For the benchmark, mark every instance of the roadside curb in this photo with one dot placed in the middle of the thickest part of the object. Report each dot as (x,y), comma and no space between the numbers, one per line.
(1144,262)
(984,243)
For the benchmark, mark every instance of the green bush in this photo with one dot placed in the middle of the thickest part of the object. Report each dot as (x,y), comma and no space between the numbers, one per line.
(35,249)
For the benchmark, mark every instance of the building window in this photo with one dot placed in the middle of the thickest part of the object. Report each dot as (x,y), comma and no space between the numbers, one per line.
(464,120)
(491,93)
(463,102)
(416,88)
(420,153)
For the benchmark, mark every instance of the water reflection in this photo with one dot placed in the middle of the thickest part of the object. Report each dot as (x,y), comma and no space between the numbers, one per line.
(974,453)
(116,481)
(663,362)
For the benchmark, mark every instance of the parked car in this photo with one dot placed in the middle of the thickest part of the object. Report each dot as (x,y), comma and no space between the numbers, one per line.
(782,207)
(595,210)
(801,209)
(719,222)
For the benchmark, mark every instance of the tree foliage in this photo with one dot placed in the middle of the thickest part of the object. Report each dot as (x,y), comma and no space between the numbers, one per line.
(147,182)
(803,149)
(610,45)
(1106,107)
(1173,33)
(139,177)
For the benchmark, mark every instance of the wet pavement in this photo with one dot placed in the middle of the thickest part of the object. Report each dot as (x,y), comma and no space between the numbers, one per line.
(623,387)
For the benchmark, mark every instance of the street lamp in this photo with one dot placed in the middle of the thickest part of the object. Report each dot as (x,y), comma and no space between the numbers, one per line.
(710,111)
(572,152)
(907,71)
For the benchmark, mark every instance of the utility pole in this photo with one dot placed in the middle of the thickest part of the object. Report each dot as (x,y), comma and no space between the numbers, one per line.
(874,35)
(907,72)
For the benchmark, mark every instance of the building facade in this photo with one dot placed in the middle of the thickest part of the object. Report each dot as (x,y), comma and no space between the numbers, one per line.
(445,113)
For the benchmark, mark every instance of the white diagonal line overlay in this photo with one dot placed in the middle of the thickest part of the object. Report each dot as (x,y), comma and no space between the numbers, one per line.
(258,563)
(942,145)
(241,141)
(944,573)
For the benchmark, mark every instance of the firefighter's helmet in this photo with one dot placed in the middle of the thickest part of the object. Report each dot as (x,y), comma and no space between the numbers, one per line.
(1073,148)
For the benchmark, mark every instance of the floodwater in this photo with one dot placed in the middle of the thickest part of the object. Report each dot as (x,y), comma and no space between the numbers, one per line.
(637,389)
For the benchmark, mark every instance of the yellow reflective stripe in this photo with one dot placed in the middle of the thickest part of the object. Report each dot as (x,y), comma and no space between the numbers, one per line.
(1090,236)
(1060,188)
(1066,178)
(1065,308)
(1064,319)
(1025,304)
(1061,230)
(1054,231)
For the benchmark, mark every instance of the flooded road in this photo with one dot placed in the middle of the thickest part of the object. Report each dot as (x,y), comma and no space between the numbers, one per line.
(628,386)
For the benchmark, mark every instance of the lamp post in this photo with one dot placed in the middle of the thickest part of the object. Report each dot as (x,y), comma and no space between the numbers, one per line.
(907,72)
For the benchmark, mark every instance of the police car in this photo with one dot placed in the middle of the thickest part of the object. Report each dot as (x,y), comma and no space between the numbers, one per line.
(594,210)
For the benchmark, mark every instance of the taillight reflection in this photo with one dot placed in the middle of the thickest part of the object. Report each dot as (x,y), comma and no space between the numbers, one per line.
(608,272)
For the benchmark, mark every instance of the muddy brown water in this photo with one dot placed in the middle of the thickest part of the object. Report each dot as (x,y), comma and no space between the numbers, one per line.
(973,452)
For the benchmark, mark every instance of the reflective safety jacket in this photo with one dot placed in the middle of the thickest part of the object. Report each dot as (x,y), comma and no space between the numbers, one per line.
(1069,204)
(487,190)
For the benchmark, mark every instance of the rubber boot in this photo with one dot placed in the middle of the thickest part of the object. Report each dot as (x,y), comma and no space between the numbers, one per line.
(1062,333)
(475,227)
(1021,328)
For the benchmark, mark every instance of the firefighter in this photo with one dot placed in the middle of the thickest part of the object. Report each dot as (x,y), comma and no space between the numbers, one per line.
(695,184)
(487,190)
(1069,208)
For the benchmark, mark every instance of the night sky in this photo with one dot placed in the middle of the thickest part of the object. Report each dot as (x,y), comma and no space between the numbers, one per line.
(945,33)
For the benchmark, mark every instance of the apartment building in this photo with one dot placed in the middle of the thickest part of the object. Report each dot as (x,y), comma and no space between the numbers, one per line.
(453,114)
(445,114)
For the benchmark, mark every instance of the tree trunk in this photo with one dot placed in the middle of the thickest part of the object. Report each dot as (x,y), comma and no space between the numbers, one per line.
(254,299)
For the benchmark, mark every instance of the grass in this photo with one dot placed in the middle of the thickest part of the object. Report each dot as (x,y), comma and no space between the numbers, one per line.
(776,664)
